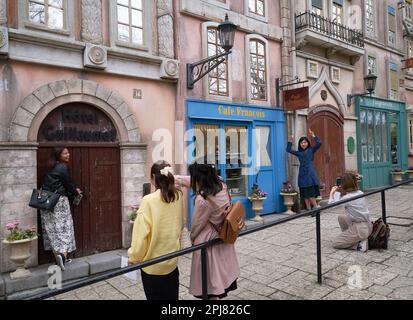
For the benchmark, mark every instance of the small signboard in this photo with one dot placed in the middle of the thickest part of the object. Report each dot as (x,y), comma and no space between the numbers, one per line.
(408,63)
(295,99)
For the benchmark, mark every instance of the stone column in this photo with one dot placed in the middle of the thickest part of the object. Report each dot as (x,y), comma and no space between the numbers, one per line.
(165,28)
(18,177)
(3,12)
(286,44)
(92,21)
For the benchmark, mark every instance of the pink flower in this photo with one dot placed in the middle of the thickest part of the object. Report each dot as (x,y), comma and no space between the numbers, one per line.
(10,226)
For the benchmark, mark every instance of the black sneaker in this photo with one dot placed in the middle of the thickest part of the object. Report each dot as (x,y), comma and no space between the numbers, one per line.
(60,259)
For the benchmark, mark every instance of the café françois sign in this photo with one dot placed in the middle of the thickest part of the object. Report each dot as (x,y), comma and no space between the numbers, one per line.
(77,123)
(295,99)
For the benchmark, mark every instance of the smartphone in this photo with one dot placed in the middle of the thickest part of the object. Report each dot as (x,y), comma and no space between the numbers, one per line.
(338,182)
(78,197)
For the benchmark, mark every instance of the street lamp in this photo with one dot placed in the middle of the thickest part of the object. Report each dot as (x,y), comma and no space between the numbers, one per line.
(196,71)
(369,84)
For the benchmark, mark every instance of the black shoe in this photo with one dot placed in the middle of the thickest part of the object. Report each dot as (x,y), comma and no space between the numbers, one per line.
(60,259)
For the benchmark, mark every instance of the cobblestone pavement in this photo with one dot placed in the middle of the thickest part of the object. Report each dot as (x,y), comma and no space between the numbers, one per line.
(280,262)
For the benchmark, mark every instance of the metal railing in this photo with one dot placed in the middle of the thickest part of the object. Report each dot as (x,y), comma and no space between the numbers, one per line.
(203,247)
(330,28)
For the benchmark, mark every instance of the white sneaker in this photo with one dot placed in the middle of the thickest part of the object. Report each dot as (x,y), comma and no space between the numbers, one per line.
(363,246)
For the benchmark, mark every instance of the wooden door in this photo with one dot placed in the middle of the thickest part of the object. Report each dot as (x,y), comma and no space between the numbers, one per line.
(329,159)
(97,220)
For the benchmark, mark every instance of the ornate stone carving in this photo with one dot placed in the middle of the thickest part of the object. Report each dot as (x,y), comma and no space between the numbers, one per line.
(300,43)
(165,36)
(3,12)
(4,41)
(95,56)
(164,7)
(169,69)
(92,21)
(330,52)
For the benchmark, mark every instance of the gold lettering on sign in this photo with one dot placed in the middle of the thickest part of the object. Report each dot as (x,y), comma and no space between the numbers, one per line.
(229,111)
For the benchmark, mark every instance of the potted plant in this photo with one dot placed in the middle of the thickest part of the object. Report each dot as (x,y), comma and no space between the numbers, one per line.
(397,174)
(410,172)
(288,192)
(257,196)
(20,242)
(134,211)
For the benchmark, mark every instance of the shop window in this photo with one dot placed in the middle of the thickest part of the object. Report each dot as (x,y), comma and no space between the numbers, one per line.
(236,154)
(363,124)
(411,133)
(393,144)
(374,143)
(391,21)
(258,70)
(206,143)
(50,14)
(218,77)
(264,146)
(370,18)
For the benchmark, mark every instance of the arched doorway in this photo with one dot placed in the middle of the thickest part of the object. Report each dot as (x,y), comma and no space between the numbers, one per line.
(93,142)
(327,122)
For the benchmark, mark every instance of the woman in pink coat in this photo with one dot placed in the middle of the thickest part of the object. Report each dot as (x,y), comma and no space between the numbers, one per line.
(211,198)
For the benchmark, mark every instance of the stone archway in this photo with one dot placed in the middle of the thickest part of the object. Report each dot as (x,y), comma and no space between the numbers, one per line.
(34,109)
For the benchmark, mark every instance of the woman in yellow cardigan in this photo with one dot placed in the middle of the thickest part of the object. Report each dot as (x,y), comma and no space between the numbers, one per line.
(156,232)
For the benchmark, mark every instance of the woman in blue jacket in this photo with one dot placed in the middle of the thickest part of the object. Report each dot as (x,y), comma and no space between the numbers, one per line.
(308,181)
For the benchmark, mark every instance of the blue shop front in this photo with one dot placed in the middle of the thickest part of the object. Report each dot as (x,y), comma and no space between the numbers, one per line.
(247,145)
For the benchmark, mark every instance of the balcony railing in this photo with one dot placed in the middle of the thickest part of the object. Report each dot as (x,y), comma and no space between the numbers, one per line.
(329,28)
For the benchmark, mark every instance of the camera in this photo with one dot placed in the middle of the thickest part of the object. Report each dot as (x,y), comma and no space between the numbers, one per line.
(338,182)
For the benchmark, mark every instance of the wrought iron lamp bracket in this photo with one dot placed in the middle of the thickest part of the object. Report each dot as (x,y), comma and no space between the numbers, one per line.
(196,71)
(351,96)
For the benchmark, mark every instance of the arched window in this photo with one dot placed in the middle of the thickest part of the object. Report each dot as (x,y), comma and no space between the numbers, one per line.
(257,70)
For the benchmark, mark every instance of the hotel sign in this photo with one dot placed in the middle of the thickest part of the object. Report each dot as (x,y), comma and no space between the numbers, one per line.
(296,99)
(77,123)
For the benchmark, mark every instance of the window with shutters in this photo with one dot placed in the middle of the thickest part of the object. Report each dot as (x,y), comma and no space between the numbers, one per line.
(391,21)
(394,81)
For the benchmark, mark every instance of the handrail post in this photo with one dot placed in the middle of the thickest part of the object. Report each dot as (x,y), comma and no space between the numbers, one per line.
(383,206)
(318,239)
(204,274)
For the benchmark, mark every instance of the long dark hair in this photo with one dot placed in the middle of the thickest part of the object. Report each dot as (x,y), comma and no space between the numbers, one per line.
(299,143)
(55,155)
(166,183)
(204,179)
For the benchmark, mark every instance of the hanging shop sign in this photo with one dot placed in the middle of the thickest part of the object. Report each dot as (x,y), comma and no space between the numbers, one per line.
(295,99)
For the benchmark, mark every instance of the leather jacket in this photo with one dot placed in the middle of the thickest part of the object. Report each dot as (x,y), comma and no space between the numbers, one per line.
(58,179)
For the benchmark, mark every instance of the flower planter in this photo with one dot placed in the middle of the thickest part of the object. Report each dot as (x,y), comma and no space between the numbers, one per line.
(397,176)
(410,173)
(257,207)
(20,251)
(288,201)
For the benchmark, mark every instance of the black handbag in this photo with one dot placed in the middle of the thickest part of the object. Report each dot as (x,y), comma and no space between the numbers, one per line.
(43,199)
